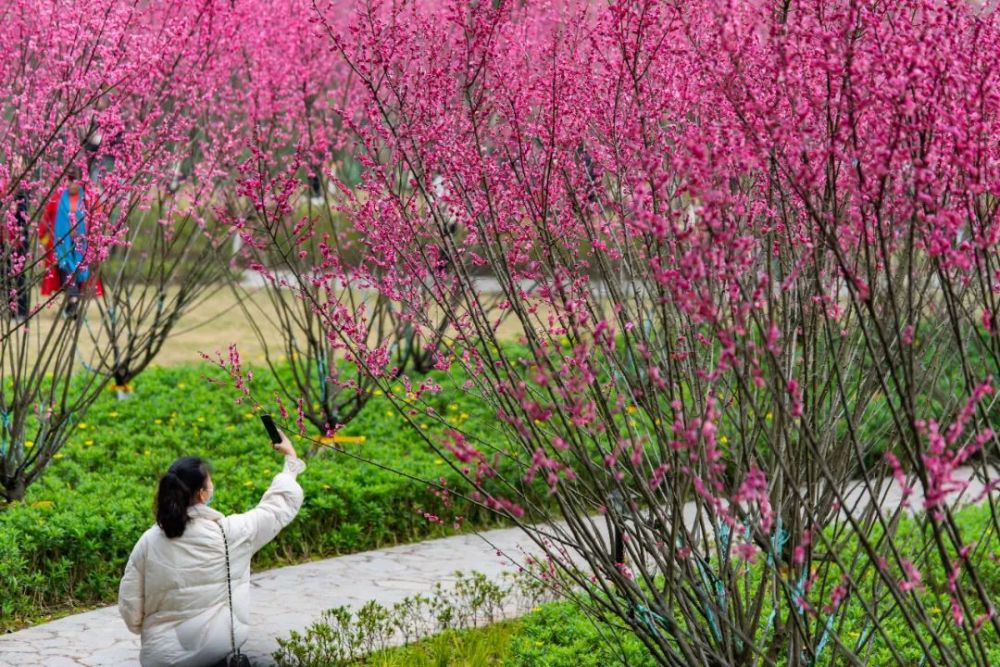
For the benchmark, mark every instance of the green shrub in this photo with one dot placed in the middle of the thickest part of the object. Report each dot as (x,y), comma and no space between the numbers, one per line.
(342,636)
(553,635)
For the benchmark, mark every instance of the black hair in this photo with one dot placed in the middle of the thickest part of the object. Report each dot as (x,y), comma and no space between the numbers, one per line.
(186,477)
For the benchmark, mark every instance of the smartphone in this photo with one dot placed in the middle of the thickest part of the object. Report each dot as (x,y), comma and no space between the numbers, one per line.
(272,430)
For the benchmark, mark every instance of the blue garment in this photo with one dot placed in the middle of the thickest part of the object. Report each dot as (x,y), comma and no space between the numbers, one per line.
(71,239)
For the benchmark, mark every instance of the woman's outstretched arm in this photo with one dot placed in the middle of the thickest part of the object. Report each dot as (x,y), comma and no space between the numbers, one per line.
(278,506)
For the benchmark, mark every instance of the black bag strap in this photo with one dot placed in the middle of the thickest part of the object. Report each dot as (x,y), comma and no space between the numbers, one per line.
(229,593)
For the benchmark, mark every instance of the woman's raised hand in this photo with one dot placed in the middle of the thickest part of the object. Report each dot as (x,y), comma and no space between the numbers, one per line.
(285,446)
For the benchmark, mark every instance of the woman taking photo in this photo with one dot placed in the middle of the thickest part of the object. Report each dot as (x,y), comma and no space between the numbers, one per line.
(179,579)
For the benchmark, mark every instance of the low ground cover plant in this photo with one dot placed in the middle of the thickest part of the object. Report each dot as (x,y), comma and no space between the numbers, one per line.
(551,634)
(65,546)
(343,636)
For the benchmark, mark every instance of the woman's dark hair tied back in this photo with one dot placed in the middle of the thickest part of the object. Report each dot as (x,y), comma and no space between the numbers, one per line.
(179,481)
(185,477)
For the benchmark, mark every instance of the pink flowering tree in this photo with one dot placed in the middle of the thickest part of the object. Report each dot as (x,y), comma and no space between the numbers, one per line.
(751,250)
(176,243)
(254,86)
(294,255)
(102,92)
(326,316)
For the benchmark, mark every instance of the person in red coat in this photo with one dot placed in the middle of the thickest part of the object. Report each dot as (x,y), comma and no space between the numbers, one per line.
(63,234)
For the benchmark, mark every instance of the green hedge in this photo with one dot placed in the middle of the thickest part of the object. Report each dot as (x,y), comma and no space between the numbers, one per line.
(66,544)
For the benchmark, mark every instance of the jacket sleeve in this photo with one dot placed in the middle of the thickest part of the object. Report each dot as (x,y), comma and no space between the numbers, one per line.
(276,509)
(131,592)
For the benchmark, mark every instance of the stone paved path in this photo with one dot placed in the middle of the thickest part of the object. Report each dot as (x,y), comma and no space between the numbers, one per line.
(291,598)
(284,599)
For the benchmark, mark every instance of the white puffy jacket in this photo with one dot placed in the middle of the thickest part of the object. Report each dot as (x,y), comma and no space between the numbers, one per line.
(173,592)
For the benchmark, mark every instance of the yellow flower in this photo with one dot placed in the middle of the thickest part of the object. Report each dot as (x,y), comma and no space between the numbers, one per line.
(57,456)
(464,416)
(453,407)
(377,392)
(157,421)
(347,439)
(723,440)
(181,385)
(632,409)
(389,413)
(423,426)
(769,416)
(201,419)
(113,414)
(28,444)
(438,462)
(81,426)
(89,443)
